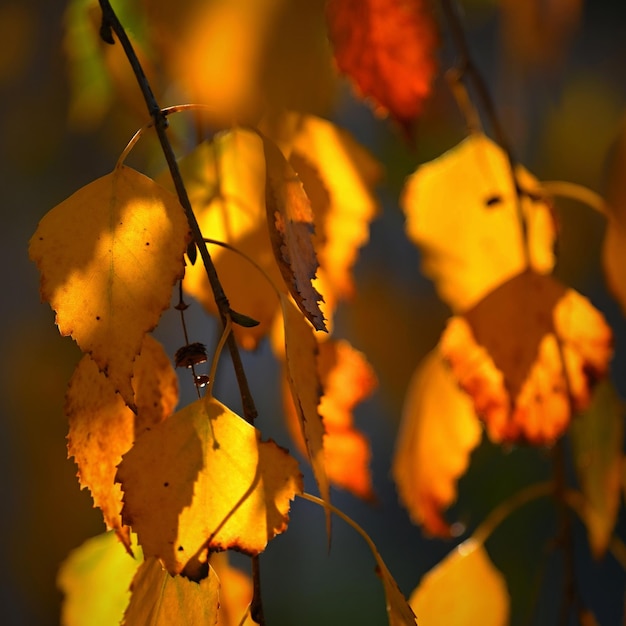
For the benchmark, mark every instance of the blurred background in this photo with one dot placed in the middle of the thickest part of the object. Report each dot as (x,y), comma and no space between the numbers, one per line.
(556,72)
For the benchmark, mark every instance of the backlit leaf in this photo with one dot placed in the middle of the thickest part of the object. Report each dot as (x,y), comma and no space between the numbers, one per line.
(464,589)
(102,428)
(212,484)
(387,47)
(462,212)
(235,592)
(438,432)
(290,224)
(109,256)
(399,612)
(508,354)
(347,379)
(95,580)
(597,439)
(159,599)
(301,369)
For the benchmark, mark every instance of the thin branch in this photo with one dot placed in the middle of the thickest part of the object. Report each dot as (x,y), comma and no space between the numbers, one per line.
(110,22)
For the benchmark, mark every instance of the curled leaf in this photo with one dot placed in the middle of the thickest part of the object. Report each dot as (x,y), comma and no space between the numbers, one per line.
(438,432)
(109,256)
(203,479)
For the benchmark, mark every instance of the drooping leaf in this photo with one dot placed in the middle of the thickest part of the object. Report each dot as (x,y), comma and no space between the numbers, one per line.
(95,580)
(347,379)
(159,599)
(399,612)
(525,377)
(235,592)
(226,185)
(109,256)
(464,589)
(476,243)
(203,479)
(102,428)
(301,369)
(387,47)
(438,432)
(290,224)
(597,439)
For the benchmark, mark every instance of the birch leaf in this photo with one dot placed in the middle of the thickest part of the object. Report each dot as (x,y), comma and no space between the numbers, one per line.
(212,484)
(109,256)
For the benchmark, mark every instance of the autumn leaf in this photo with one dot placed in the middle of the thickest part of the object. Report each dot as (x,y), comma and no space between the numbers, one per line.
(300,355)
(439,430)
(528,354)
(95,580)
(597,438)
(290,224)
(102,428)
(476,243)
(346,379)
(235,592)
(159,599)
(462,590)
(387,48)
(109,256)
(213,484)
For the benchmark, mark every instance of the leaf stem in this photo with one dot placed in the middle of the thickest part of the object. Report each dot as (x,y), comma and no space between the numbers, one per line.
(574,191)
(110,22)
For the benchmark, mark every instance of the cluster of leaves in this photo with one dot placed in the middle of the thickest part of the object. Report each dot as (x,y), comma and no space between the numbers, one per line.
(284,199)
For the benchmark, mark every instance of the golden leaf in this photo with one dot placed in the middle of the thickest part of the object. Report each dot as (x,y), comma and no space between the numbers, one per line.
(476,243)
(102,428)
(290,224)
(159,599)
(438,432)
(95,580)
(235,592)
(387,47)
(203,479)
(597,438)
(464,589)
(108,258)
(526,377)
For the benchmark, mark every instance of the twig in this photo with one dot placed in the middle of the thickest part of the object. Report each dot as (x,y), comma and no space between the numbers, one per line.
(110,22)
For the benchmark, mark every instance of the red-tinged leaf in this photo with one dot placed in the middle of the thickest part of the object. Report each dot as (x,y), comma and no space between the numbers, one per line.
(159,599)
(301,369)
(525,377)
(387,47)
(290,223)
(109,256)
(439,430)
(464,589)
(203,479)
(597,439)
(102,428)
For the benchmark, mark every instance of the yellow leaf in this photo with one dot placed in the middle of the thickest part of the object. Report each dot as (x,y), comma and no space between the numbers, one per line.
(304,383)
(469,231)
(95,580)
(203,479)
(464,589)
(235,592)
(597,438)
(108,258)
(438,432)
(159,599)
(102,428)
(515,373)
(226,185)
(290,224)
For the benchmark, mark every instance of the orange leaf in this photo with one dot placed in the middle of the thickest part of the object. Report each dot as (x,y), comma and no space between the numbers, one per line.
(597,438)
(102,428)
(438,432)
(203,479)
(387,47)
(108,258)
(464,589)
(159,599)
(508,354)
(235,592)
(290,223)
(476,243)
